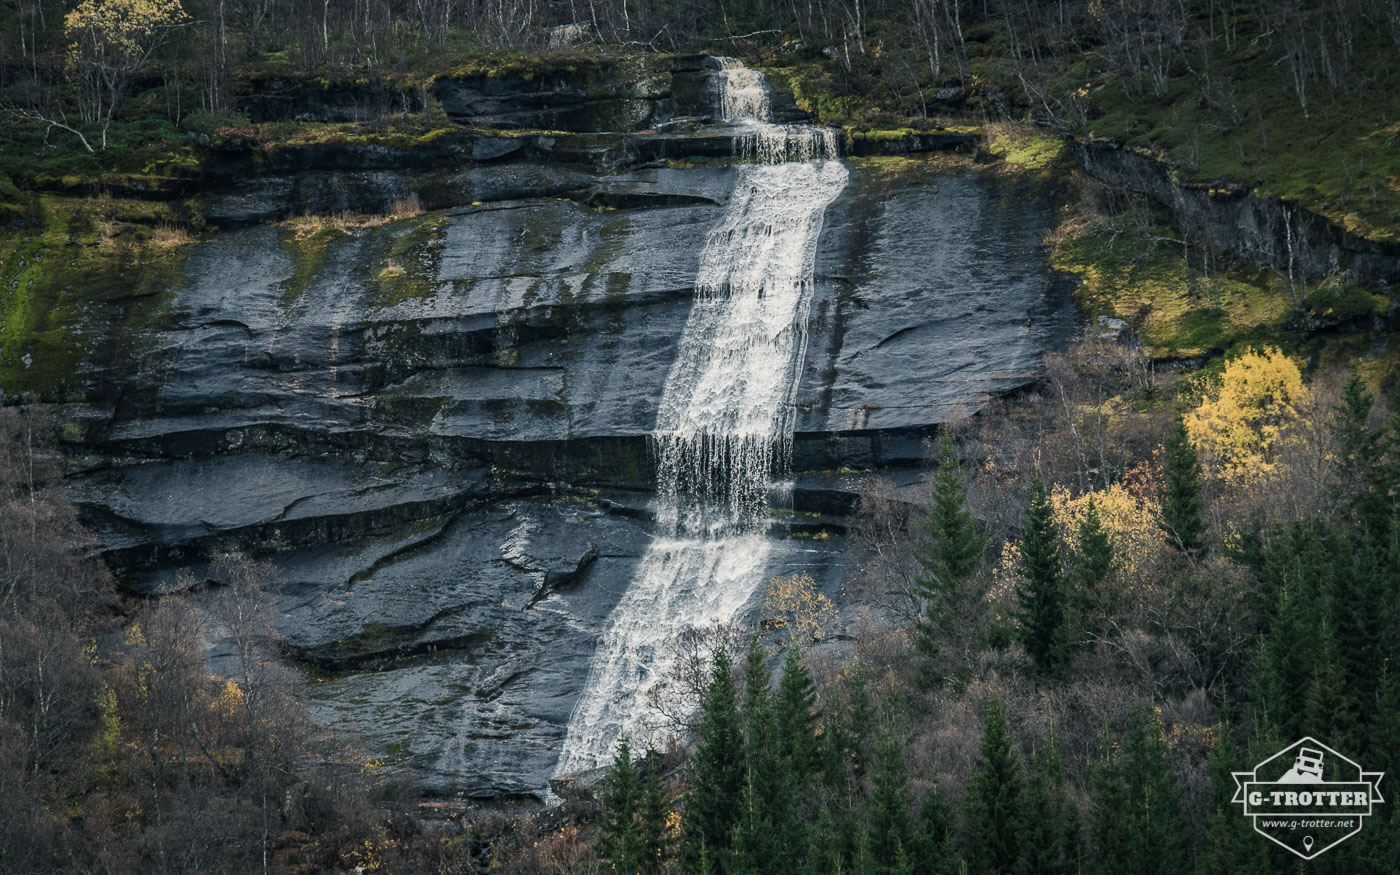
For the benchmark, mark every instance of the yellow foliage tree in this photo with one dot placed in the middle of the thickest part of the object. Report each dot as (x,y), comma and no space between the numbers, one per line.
(1131,517)
(793,605)
(1240,424)
(109,41)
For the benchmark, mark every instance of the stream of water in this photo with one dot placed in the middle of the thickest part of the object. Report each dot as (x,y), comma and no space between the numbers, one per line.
(725,424)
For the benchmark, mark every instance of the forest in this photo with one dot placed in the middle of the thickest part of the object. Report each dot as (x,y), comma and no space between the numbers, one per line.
(1172,554)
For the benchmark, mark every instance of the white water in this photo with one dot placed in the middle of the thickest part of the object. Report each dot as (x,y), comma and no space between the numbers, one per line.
(724,428)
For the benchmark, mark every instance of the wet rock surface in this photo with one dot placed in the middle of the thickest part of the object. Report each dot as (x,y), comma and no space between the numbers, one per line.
(436,428)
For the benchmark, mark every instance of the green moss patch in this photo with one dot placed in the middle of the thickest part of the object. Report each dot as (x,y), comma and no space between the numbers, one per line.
(1024,147)
(408,261)
(1178,310)
(308,250)
(82,282)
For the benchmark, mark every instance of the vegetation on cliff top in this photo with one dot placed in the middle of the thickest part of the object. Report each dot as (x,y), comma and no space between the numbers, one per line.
(1299,101)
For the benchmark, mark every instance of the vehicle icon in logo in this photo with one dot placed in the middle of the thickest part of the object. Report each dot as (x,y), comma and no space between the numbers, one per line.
(1307,797)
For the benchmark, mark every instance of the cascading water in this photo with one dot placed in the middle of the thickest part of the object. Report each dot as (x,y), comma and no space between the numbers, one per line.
(724,428)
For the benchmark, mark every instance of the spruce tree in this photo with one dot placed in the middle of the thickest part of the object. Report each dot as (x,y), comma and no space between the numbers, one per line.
(1042,595)
(824,845)
(756,711)
(714,804)
(863,860)
(952,549)
(775,830)
(903,863)
(890,828)
(1328,707)
(1361,450)
(1110,832)
(935,851)
(751,846)
(653,818)
(1093,563)
(860,717)
(1230,844)
(1136,797)
(1357,595)
(1156,796)
(795,717)
(993,806)
(1048,832)
(1388,472)
(621,841)
(1298,567)
(1095,559)
(1383,733)
(1182,504)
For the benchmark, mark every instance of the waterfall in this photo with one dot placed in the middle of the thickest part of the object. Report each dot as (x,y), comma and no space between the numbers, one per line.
(741,94)
(724,426)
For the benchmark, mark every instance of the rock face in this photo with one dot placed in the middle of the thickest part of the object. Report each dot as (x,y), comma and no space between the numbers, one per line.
(437,428)
(605,92)
(1234,219)
(275,100)
(449,466)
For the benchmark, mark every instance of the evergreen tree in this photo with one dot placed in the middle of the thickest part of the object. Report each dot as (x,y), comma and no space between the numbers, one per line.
(836,748)
(1094,562)
(796,760)
(653,818)
(795,716)
(952,550)
(775,831)
(1329,711)
(1136,798)
(1383,734)
(751,846)
(1110,832)
(1230,845)
(1048,832)
(1388,472)
(1357,597)
(756,710)
(903,863)
(1361,450)
(824,845)
(935,851)
(1156,796)
(863,860)
(1042,595)
(720,775)
(1182,504)
(1095,559)
(621,841)
(860,719)
(1298,566)
(993,806)
(890,828)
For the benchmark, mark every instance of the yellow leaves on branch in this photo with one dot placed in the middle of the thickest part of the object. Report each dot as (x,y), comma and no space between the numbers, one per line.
(794,605)
(1130,514)
(1244,418)
(121,27)
(1131,519)
(229,700)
